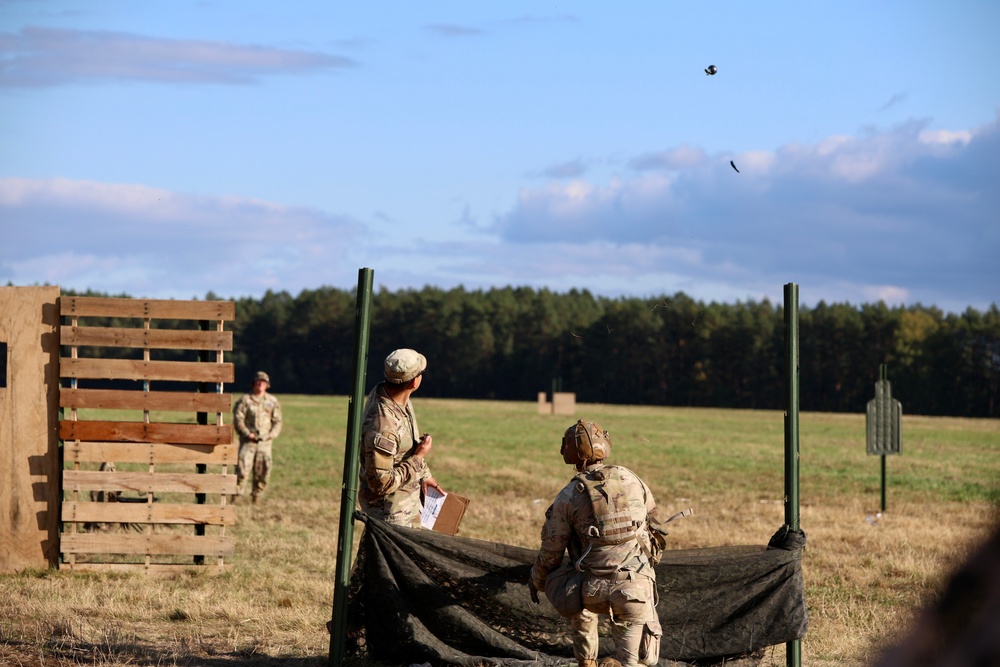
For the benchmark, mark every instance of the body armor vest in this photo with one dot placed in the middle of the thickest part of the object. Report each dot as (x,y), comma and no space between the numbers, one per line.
(614,522)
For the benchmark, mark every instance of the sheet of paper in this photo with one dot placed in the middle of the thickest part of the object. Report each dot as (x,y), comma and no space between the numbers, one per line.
(433,502)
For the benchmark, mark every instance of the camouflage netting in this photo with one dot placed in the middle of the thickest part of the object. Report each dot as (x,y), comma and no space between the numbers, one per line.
(420,596)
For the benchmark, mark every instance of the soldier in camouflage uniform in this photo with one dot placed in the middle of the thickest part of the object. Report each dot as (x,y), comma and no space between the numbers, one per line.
(257,420)
(601,517)
(393,470)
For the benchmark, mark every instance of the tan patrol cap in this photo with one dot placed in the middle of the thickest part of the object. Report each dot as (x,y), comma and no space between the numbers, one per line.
(261,375)
(403,365)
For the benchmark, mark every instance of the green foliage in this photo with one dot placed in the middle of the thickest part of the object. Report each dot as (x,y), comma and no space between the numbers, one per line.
(510,343)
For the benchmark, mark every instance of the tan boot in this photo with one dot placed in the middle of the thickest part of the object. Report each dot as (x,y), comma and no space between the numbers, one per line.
(587,663)
(610,662)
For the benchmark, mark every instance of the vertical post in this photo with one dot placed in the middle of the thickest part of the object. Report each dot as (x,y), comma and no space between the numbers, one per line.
(30,453)
(883,373)
(883,482)
(201,418)
(349,490)
(793,649)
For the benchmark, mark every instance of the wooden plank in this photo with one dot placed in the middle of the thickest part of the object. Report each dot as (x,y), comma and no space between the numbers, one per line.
(29,442)
(153,569)
(90,306)
(144,452)
(124,399)
(138,369)
(114,431)
(155,544)
(148,482)
(155,339)
(170,513)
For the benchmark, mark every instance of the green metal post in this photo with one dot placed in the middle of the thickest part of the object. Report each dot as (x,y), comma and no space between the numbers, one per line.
(349,489)
(883,372)
(883,482)
(793,649)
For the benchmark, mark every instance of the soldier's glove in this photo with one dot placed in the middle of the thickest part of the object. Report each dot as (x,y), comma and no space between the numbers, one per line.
(533,591)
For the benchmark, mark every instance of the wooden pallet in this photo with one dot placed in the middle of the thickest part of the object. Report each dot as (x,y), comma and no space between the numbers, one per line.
(149,493)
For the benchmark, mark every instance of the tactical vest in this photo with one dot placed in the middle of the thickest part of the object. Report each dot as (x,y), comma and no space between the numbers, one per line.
(616,520)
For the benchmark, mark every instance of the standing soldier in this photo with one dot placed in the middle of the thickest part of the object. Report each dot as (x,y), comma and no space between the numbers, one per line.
(393,471)
(602,517)
(257,420)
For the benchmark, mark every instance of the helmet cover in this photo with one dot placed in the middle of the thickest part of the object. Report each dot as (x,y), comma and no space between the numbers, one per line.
(585,442)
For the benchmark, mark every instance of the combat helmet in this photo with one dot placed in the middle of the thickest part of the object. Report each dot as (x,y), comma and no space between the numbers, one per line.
(585,442)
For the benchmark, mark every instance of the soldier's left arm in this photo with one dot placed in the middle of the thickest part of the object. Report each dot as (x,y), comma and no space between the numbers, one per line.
(275,421)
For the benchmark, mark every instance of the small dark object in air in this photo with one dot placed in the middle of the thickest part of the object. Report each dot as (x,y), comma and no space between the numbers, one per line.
(711,69)
(733,165)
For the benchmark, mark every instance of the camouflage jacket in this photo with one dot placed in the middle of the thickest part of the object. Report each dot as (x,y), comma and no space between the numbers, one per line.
(389,476)
(257,414)
(571,524)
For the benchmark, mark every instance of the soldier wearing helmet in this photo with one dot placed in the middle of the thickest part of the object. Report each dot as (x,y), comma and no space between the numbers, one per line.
(393,471)
(601,519)
(257,421)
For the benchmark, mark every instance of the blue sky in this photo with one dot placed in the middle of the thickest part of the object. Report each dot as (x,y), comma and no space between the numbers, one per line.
(169,149)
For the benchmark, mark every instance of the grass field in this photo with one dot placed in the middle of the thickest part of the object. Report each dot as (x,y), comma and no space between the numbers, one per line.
(865,574)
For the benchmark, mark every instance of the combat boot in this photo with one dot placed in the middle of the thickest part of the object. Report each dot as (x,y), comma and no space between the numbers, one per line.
(610,662)
(587,663)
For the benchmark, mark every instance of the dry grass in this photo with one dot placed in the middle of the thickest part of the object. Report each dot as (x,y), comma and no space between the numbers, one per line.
(865,575)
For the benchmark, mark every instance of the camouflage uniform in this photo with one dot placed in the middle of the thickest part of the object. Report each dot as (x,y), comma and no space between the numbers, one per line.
(618,578)
(260,415)
(390,477)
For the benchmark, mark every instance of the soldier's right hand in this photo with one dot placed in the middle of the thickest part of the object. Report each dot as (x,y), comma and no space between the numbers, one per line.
(533,591)
(424,446)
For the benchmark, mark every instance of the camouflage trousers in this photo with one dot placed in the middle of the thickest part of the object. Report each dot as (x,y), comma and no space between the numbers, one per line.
(630,599)
(254,461)
(401,508)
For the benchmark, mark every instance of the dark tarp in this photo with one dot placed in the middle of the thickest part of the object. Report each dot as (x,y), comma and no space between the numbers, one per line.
(420,596)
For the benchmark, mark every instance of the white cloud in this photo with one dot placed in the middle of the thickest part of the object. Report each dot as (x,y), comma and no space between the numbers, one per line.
(153,242)
(37,57)
(888,293)
(917,221)
(903,214)
(570,169)
(452,30)
(683,157)
(945,137)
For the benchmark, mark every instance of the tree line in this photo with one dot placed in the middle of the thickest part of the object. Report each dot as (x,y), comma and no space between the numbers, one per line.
(511,343)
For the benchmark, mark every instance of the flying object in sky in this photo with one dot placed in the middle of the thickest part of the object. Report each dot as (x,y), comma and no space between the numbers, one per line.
(711,69)
(733,165)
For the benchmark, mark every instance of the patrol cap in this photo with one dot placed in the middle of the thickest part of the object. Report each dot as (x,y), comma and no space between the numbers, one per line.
(403,365)
(261,375)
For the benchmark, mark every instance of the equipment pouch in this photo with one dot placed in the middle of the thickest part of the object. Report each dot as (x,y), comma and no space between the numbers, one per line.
(657,542)
(649,646)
